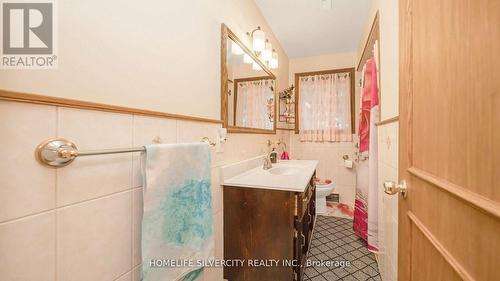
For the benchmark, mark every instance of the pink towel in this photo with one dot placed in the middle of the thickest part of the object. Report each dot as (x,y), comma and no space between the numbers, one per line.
(284,156)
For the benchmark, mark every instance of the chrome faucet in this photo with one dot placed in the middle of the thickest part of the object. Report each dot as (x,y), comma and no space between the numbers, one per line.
(273,155)
(271,158)
(267,163)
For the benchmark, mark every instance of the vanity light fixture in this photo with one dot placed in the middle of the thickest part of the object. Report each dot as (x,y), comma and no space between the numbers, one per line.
(273,63)
(258,39)
(267,53)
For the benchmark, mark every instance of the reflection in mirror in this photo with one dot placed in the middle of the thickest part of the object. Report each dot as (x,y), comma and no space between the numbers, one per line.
(250,90)
(253,102)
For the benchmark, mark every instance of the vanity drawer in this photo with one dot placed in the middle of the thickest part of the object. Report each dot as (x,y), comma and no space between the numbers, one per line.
(305,198)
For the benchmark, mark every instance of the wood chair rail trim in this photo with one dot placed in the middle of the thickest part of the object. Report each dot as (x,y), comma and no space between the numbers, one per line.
(71,103)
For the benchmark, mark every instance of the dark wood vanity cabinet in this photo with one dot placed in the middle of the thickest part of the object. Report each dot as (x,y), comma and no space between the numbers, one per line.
(261,225)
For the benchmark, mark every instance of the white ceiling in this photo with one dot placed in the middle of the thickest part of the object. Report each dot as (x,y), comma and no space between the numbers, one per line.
(304,29)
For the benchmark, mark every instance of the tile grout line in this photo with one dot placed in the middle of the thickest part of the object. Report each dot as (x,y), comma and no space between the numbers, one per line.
(56,199)
(67,206)
(132,178)
(176,131)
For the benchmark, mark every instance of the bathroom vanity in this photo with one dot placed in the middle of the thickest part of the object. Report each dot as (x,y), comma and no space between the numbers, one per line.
(268,219)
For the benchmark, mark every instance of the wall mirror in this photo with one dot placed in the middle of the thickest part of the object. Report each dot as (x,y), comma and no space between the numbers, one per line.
(248,88)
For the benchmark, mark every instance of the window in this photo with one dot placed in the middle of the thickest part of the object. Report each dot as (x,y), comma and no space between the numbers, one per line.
(325,105)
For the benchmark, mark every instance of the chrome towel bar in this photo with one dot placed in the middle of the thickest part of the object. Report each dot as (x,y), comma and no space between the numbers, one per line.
(58,152)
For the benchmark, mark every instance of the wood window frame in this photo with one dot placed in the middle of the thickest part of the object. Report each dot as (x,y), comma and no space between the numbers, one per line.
(350,70)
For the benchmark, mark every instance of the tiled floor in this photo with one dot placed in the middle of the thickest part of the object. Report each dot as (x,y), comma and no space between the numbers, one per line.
(334,240)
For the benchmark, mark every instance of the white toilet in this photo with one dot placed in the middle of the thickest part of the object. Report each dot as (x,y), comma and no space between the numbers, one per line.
(323,189)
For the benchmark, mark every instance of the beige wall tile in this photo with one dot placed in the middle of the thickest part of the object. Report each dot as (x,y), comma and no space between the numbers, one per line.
(346,194)
(93,176)
(388,171)
(393,133)
(137,211)
(343,176)
(27,186)
(244,146)
(219,234)
(388,144)
(330,163)
(94,239)
(216,190)
(189,131)
(145,130)
(27,249)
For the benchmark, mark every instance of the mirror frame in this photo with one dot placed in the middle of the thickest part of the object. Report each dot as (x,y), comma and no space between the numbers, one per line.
(225,34)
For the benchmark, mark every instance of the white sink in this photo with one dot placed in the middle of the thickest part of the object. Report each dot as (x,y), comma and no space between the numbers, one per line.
(284,170)
(287,175)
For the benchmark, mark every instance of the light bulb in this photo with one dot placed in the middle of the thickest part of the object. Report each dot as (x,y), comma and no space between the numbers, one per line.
(267,54)
(259,40)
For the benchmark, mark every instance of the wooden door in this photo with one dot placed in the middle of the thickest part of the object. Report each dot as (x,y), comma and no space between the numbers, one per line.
(449,225)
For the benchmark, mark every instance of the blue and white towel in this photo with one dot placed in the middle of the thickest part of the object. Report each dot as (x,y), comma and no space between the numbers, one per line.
(177,221)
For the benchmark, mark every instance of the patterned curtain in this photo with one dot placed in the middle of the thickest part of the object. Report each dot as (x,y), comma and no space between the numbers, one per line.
(325,108)
(252,104)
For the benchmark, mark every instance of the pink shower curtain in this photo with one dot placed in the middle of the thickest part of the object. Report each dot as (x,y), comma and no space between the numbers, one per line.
(366,203)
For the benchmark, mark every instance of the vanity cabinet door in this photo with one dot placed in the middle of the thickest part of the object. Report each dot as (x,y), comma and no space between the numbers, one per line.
(312,209)
(304,223)
(301,242)
(307,220)
(297,253)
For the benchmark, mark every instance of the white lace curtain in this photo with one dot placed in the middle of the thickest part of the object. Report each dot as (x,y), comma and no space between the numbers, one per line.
(252,104)
(325,108)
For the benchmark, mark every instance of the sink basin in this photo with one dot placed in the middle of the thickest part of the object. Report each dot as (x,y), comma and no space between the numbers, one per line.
(289,175)
(284,171)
